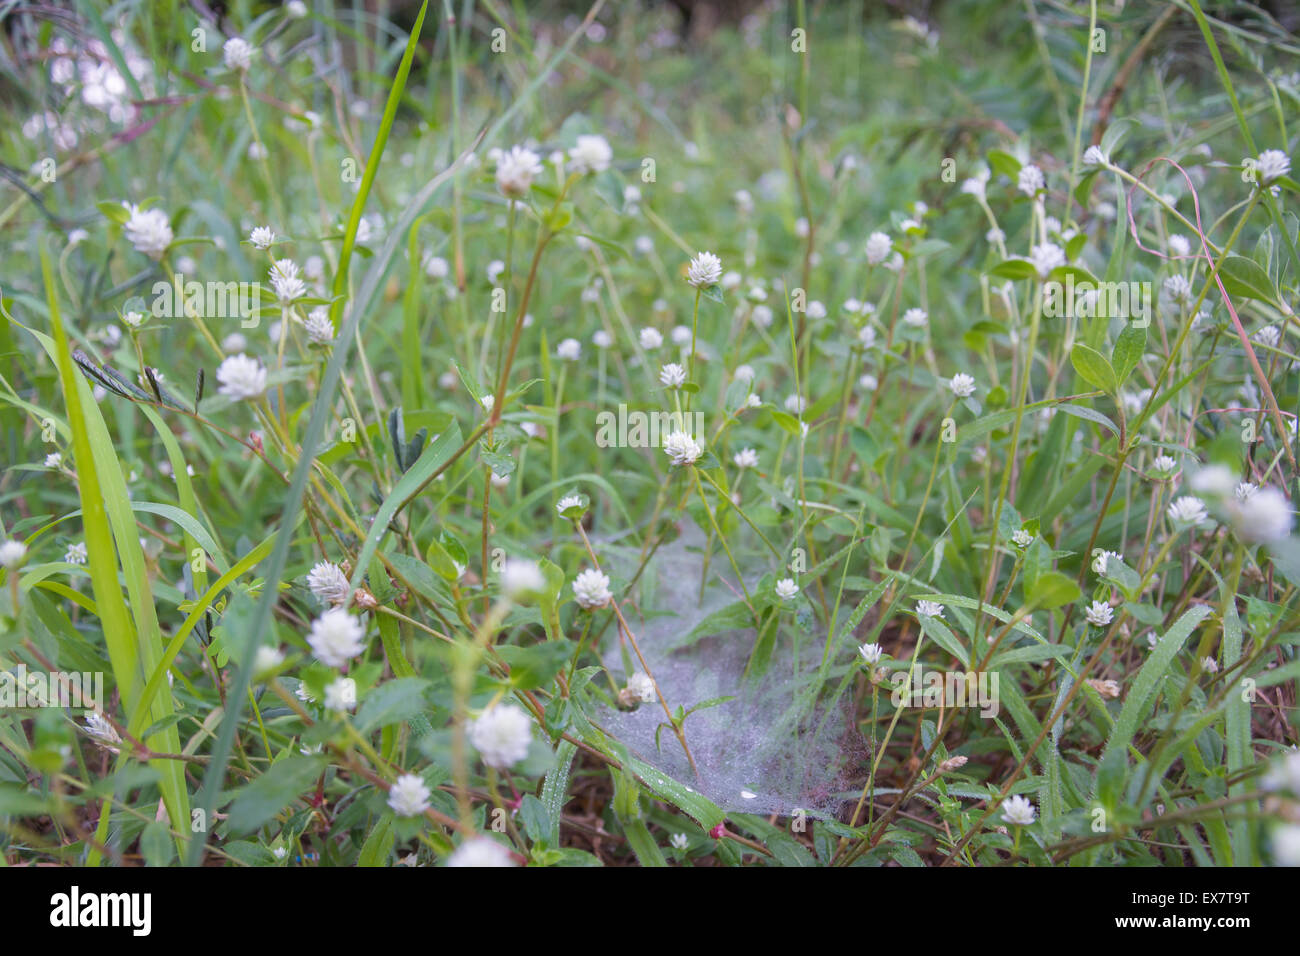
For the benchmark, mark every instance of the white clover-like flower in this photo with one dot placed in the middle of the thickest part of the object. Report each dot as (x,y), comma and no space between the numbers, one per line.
(1272,164)
(501,735)
(480,852)
(1209,665)
(1214,480)
(1268,335)
(1187,511)
(601,339)
(786,589)
(1094,157)
(488,402)
(1263,515)
(680,841)
(743,373)
(267,659)
(241,377)
(12,553)
(319,328)
(341,694)
(762,316)
(520,577)
(237,53)
(730,281)
(744,201)
(1046,257)
(929,609)
(878,247)
(148,230)
(704,270)
(640,687)
(101,731)
(1245,490)
(1177,290)
(133,318)
(409,795)
(1021,538)
(76,553)
(681,335)
(1164,466)
(651,338)
(1179,246)
(672,375)
(1286,845)
(234,342)
(815,310)
(570,350)
(795,404)
(567,502)
(868,382)
(590,154)
(328,582)
(591,589)
(262,237)
(916,318)
(682,448)
(336,637)
(745,458)
(436,267)
(1018,810)
(1100,613)
(752,400)
(962,385)
(53,460)
(870,653)
(867,336)
(285,281)
(1031,181)
(516,171)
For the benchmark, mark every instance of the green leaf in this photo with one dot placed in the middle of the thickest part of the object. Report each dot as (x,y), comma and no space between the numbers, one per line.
(1130,345)
(392,702)
(1094,368)
(1053,589)
(260,801)
(1244,279)
(534,666)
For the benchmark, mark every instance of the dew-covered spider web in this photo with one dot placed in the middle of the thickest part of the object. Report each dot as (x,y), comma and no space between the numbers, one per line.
(787,739)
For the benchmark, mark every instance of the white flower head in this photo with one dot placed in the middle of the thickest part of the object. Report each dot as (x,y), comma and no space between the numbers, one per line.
(929,609)
(1100,613)
(1164,466)
(640,687)
(336,637)
(786,589)
(1272,164)
(745,458)
(285,280)
(341,694)
(12,553)
(267,659)
(916,318)
(53,460)
(1179,246)
(1263,515)
(241,377)
(1093,157)
(591,589)
(237,53)
(867,336)
(962,385)
(521,577)
(99,729)
(870,653)
(409,795)
(1187,511)
(1214,480)
(1018,810)
(590,154)
(1031,181)
(1268,335)
(680,841)
(262,237)
(501,735)
(1021,538)
(148,230)
(651,338)
(516,171)
(1046,257)
(328,582)
(672,375)
(133,318)
(878,247)
(682,448)
(480,852)
(570,350)
(704,270)
(319,328)
(1244,490)
(76,553)
(743,373)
